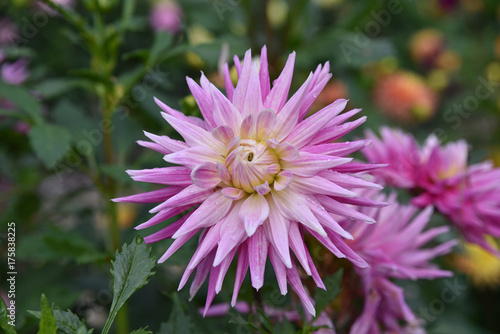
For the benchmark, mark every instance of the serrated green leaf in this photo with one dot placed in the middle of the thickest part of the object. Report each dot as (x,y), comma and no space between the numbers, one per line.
(66,322)
(47,320)
(4,319)
(23,100)
(69,323)
(131,271)
(322,297)
(50,143)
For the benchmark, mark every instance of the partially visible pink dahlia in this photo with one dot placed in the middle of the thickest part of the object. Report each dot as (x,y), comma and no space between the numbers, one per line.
(468,195)
(394,249)
(262,175)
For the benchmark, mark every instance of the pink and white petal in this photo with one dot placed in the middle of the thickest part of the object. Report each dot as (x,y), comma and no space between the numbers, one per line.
(241,89)
(349,181)
(153,146)
(178,176)
(224,266)
(293,206)
(194,156)
(287,152)
(308,128)
(212,281)
(150,196)
(253,212)
(257,255)
(205,215)
(206,175)
(298,247)
(162,216)
(279,93)
(336,149)
(194,135)
(228,83)
(314,273)
(233,193)
(296,284)
(223,173)
(188,196)
(176,245)
(330,133)
(288,116)
(241,271)
(279,270)
(166,232)
(204,103)
(276,229)
(171,145)
(247,127)
(223,133)
(205,246)
(225,113)
(337,208)
(262,189)
(265,85)
(308,165)
(325,218)
(282,180)
(318,185)
(177,114)
(232,234)
(200,277)
(253,99)
(266,121)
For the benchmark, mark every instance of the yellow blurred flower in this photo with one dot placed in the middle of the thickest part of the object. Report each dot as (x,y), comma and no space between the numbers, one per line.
(482,267)
(126,214)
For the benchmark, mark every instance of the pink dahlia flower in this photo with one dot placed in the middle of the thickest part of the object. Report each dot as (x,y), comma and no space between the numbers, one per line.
(393,248)
(166,16)
(262,175)
(468,195)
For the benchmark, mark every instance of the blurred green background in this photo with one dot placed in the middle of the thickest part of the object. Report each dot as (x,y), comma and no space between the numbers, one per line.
(77,92)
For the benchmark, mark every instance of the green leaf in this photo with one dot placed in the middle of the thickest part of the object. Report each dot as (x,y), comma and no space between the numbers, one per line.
(87,134)
(162,41)
(322,297)
(178,322)
(131,271)
(5,320)
(67,322)
(51,88)
(47,320)
(23,100)
(50,143)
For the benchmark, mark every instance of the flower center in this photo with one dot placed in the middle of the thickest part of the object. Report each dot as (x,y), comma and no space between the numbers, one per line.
(251,164)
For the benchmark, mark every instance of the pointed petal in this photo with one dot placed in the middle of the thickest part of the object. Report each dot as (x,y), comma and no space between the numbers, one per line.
(257,255)
(150,196)
(241,271)
(279,93)
(206,176)
(253,212)
(266,121)
(276,229)
(189,195)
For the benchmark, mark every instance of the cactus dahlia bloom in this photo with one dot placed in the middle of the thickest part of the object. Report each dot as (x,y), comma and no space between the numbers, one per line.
(468,195)
(259,176)
(393,248)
